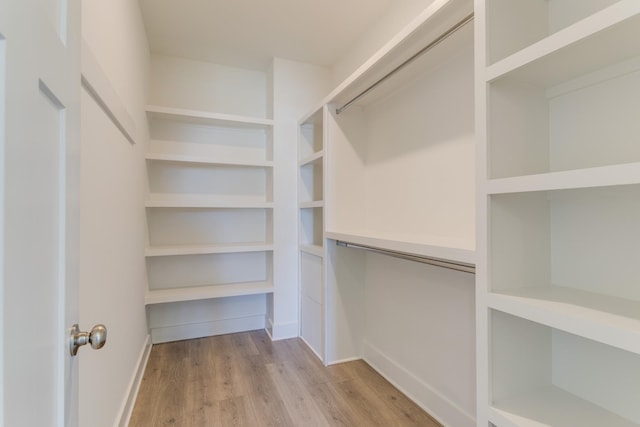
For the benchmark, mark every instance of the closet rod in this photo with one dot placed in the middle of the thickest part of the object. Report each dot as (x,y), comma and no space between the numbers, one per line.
(453,265)
(422,51)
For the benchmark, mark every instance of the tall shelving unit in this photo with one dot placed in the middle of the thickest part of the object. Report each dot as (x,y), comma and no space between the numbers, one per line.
(311,160)
(209,207)
(558,303)
(394,172)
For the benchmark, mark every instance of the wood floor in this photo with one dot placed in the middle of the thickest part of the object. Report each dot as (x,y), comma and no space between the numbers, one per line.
(247,380)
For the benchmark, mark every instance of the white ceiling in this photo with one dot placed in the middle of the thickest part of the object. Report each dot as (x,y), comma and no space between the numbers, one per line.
(247,33)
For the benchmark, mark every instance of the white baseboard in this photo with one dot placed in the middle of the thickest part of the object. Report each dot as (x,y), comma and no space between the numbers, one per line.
(283,331)
(438,406)
(207,329)
(313,350)
(349,359)
(134,386)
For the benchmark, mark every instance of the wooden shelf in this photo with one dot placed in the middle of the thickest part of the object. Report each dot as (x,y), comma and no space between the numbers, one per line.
(581,178)
(192,293)
(610,320)
(551,406)
(429,246)
(208,118)
(316,250)
(203,201)
(195,159)
(578,49)
(168,250)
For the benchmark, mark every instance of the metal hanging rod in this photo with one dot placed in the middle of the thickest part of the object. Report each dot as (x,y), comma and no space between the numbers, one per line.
(422,51)
(453,265)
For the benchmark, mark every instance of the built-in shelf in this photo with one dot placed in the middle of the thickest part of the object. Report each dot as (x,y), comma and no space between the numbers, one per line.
(316,250)
(197,159)
(610,320)
(552,406)
(579,48)
(168,250)
(581,178)
(206,117)
(315,157)
(203,201)
(431,246)
(311,205)
(206,292)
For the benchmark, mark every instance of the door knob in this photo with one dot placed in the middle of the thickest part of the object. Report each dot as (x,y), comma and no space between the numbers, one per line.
(97,337)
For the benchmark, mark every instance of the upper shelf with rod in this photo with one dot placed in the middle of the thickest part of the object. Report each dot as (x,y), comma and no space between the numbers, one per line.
(413,49)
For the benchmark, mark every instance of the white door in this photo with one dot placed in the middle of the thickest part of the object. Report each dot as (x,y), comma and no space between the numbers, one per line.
(39,132)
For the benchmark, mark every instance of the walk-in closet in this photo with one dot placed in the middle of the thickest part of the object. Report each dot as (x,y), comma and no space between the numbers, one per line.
(363,212)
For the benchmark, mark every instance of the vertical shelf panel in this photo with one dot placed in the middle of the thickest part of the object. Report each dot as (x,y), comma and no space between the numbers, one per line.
(311,219)
(559,213)
(547,376)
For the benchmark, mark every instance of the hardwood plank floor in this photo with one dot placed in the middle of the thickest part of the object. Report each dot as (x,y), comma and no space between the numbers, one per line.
(246,379)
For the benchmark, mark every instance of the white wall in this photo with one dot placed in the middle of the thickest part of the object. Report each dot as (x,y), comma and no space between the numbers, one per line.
(420,334)
(198,85)
(295,89)
(400,13)
(113,185)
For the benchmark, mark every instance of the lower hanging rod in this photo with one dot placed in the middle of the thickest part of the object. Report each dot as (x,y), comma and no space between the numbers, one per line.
(453,265)
(415,56)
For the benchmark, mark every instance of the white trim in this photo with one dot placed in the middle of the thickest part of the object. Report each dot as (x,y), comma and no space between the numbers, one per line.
(188,331)
(313,350)
(283,331)
(134,386)
(437,405)
(97,84)
(2,196)
(345,360)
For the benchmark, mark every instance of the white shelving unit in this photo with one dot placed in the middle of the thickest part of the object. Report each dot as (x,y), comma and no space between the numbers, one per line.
(311,177)
(395,171)
(209,209)
(391,183)
(558,307)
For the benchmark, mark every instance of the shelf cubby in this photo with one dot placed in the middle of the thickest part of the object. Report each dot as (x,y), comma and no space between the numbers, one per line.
(311,226)
(209,136)
(310,188)
(569,256)
(208,269)
(515,26)
(310,140)
(545,376)
(223,182)
(210,226)
(570,108)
